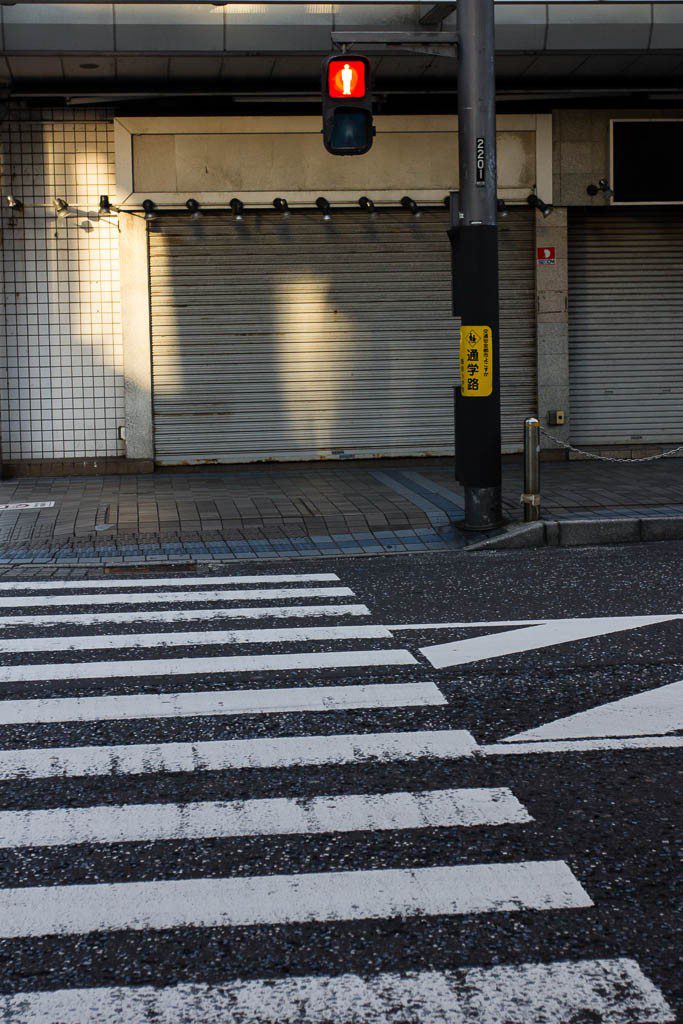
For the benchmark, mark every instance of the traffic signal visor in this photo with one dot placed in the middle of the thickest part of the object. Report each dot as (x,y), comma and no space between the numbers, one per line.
(346,79)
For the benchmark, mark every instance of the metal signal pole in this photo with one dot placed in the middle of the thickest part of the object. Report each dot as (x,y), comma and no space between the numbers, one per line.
(478,451)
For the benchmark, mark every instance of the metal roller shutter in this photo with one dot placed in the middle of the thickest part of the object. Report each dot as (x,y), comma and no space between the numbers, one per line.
(625,325)
(296,338)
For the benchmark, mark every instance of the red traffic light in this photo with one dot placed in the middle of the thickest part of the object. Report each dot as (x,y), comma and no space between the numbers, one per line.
(346,79)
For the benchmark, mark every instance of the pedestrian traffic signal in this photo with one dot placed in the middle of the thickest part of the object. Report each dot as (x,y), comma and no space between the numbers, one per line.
(347,106)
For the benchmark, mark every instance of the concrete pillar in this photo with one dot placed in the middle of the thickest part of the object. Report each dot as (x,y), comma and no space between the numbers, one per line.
(137,341)
(553,323)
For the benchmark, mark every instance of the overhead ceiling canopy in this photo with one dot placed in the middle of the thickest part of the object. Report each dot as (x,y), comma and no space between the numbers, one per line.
(276,47)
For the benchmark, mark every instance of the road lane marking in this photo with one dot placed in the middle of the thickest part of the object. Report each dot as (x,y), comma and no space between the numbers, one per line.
(172,615)
(186,597)
(136,823)
(223,755)
(611,991)
(581,746)
(201,666)
(546,634)
(29,912)
(115,641)
(219,702)
(403,626)
(654,712)
(170,581)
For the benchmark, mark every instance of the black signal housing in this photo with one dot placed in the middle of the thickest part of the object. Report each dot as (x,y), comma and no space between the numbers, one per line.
(348,128)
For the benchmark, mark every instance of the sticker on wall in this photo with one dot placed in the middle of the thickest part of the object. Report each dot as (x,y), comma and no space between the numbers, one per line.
(476,362)
(545,256)
(23,506)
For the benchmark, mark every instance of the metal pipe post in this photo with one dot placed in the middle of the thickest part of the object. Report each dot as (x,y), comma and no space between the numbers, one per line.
(531,498)
(476,270)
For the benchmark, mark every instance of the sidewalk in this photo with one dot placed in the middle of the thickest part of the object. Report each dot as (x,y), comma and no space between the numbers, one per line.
(287,509)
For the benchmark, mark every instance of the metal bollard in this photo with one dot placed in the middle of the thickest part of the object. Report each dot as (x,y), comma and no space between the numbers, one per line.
(531,499)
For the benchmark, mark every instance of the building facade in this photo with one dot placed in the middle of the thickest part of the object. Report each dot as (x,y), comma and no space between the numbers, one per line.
(140,331)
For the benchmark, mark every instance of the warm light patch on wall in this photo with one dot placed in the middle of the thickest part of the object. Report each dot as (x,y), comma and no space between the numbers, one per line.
(309,391)
(63,394)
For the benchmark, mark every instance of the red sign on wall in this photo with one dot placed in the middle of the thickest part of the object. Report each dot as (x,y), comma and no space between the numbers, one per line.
(346,79)
(545,255)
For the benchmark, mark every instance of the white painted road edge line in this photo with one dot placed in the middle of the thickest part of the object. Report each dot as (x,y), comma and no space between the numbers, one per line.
(610,991)
(165,616)
(218,702)
(579,746)
(288,899)
(186,597)
(223,755)
(171,581)
(200,638)
(72,671)
(137,823)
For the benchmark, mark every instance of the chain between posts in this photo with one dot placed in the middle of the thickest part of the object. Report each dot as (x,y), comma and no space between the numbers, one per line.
(607,458)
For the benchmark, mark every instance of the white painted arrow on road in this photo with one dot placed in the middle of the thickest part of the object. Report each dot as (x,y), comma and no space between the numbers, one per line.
(655,712)
(531,638)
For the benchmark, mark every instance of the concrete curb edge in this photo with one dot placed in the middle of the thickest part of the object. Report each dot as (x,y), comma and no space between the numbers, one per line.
(570,533)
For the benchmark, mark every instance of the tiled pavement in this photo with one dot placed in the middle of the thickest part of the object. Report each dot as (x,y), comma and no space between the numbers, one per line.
(284,510)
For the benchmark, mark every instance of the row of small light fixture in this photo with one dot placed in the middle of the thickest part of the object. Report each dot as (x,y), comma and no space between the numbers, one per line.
(62,208)
(279,203)
(325,206)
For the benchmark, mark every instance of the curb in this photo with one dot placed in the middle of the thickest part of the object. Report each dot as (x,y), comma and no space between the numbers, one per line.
(571,533)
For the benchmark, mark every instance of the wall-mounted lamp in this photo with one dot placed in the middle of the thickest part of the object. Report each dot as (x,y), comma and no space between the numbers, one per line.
(602,186)
(14,204)
(536,203)
(282,206)
(367,204)
(325,207)
(502,207)
(193,207)
(61,208)
(409,204)
(237,207)
(105,206)
(150,208)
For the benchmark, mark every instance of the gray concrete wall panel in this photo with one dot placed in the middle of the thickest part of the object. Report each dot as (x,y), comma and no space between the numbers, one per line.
(55,27)
(520,27)
(162,28)
(667,26)
(585,27)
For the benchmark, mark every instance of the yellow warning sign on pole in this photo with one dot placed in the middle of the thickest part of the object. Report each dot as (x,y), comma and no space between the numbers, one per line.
(476,362)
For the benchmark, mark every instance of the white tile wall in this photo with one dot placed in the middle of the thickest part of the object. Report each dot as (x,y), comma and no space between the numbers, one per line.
(63,385)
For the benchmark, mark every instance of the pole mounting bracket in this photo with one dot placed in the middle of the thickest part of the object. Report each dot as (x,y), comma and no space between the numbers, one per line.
(432,44)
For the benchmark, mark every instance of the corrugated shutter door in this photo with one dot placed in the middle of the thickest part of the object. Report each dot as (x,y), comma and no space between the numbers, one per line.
(626,325)
(296,338)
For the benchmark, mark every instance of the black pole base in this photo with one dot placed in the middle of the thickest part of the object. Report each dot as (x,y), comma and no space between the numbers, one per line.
(483,508)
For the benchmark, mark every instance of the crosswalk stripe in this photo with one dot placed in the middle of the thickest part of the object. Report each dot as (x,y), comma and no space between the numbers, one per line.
(134,823)
(171,581)
(164,615)
(288,899)
(611,991)
(201,666)
(222,755)
(219,702)
(186,597)
(114,641)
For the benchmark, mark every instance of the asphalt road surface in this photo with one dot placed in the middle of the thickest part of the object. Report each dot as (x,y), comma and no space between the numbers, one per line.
(439,789)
